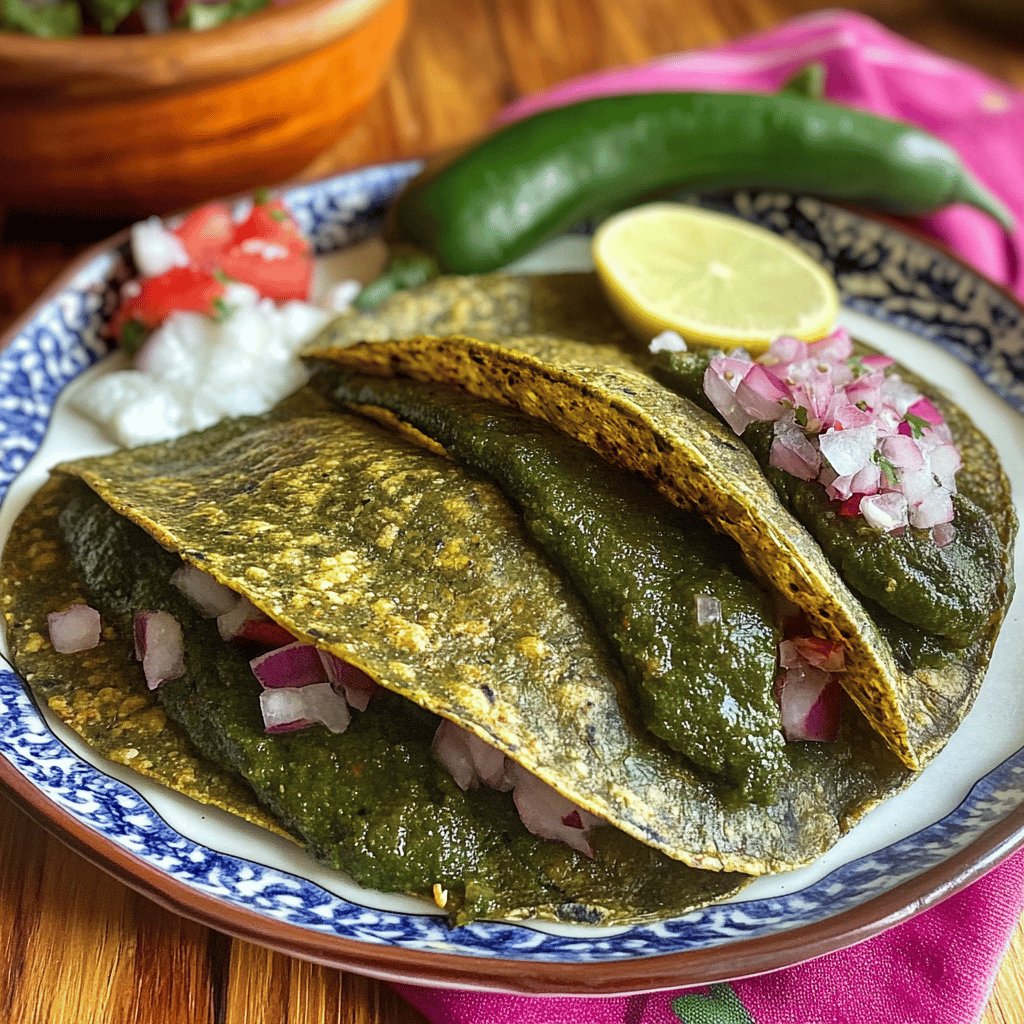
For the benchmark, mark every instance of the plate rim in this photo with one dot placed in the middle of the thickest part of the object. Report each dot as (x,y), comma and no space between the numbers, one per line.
(743,958)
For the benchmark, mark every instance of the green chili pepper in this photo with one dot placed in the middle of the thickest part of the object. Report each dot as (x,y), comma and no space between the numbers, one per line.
(532,179)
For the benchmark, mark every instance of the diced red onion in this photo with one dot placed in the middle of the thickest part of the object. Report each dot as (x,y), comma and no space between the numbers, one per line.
(75,629)
(811,702)
(469,760)
(865,390)
(721,379)
(549,815)
(934,510)
(289,708)
(246,622)
(866,480)
(203,591)
(837,347)
(903,452)
(895,391)
(452,752)
(885,511)
(761,394)
(815,394)
(160,646)
(229,623)
(848,416)
(943,534)
(851,507)
(357,686)
(816,651)
(785,350)
(709,609)
(917,485)
(265,632)
(924,409)
(878,362)
(294,666)
(851,434)
(849,451)
(945,461)
(793,453)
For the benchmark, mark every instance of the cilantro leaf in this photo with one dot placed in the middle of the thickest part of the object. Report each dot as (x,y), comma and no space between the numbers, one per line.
(918,425)
(133,334)
(887,468)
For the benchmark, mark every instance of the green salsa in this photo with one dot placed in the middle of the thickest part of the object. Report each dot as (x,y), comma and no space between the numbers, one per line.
(641,565)
(950,593)
(371,801)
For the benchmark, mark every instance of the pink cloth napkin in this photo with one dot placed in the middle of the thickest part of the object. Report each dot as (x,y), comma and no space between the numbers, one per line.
(935,969)
(876,70)
(938,967)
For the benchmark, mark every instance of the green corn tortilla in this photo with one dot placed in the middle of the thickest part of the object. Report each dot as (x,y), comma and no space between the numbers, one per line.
(371,801)
(401,563)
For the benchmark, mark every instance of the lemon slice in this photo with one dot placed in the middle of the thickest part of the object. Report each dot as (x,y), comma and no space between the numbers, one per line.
(714,279)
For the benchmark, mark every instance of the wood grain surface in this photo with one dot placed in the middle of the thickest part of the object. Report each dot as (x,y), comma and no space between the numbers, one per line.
(77,947)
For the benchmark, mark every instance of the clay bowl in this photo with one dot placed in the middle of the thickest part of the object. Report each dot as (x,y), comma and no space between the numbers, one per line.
(129,125)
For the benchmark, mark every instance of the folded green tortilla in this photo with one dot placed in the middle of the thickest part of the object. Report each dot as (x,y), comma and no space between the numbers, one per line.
(696,463)
(450,554)
(371,801)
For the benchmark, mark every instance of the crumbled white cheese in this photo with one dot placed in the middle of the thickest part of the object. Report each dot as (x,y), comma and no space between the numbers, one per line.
(193,371)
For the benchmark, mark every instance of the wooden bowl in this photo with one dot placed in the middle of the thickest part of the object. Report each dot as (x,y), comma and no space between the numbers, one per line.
(129,125)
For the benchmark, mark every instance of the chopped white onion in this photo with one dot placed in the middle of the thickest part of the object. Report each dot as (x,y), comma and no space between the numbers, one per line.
(160,646)
(289,708)
(203,591)
(709,609)
(155,250)
(75,629)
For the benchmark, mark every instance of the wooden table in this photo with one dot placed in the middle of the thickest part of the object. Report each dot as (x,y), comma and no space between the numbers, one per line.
(79,948)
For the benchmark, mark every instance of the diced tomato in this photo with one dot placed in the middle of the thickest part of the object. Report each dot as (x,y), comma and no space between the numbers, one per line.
(270,221)
(155,298)
(274,271)
(206,233)
(851,507)
(265,632)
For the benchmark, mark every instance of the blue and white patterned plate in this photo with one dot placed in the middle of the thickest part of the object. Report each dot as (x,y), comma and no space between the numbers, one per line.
(960,817)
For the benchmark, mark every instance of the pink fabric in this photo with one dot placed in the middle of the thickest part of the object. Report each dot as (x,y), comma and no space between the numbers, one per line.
(871,68)
(937,968)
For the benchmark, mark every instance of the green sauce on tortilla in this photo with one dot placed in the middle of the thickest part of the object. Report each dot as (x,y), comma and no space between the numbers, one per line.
(640,565)
(371,801)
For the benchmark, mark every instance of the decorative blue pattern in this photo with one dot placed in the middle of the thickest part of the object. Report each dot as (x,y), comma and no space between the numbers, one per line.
(926,293)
